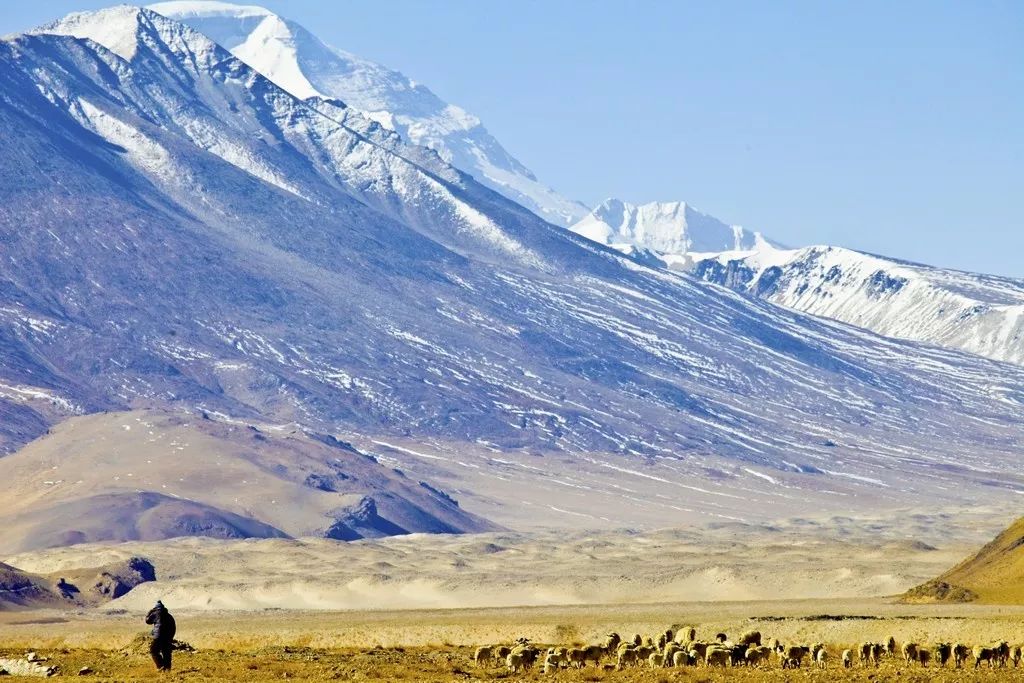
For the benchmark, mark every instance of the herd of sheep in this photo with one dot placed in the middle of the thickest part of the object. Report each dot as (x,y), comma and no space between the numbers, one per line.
(684,649)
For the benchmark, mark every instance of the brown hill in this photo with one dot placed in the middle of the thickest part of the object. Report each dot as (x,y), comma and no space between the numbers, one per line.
(148,475)
(995,574)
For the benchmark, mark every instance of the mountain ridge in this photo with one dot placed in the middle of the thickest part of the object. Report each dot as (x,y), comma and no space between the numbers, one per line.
(302,64)
(183,234)
(982,314)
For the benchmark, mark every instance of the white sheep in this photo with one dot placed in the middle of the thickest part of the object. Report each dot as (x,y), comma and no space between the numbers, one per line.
(847,659)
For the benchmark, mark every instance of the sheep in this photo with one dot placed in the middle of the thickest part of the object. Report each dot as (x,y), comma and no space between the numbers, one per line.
(821,658)
(527,654)
(1015,654)
(909,652)
(627,655)
(514,662)
(669,651)
(721,637)
(794,656)
(737,654)
(960,654)
(717,656)
(502,651)
(483,656)
(637,640)
(847,659)
(700,648)
(611,642)
(864,653)
(942,652)
(681,658)
(890,647)
(576,657)
(656,660)
(669,635)
(875,653)
(555,659)
(923,656)
(1001,652)
(983,654)
(750,638)
(593,653)
(662,640)
(815,648)
(644,652)
(756,656)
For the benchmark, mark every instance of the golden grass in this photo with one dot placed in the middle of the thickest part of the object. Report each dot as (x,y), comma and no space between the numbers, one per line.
(448,664)
(994,575)
(437,645)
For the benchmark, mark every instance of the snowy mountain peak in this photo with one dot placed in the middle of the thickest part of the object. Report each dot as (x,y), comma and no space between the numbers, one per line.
(115,28)
(299,62)
(673,229)
(125,28)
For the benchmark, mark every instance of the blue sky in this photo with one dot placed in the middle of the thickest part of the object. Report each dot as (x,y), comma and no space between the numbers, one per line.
(892,127)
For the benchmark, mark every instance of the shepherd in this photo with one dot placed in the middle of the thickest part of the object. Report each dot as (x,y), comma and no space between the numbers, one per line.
(163,636)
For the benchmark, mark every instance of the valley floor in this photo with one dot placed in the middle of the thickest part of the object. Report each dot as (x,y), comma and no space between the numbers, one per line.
(437,645)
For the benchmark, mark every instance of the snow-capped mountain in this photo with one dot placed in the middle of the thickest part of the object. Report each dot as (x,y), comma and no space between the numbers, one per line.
(983,314)
(303,65)
(672,230)
(180,232)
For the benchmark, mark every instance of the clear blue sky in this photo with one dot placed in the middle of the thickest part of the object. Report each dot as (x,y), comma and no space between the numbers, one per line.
(892,127)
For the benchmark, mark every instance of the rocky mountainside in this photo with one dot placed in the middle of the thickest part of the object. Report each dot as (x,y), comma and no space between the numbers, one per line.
(182,234)
(976,313)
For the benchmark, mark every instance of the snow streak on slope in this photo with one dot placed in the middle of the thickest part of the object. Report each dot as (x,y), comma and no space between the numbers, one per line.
(385,294)
(983,314)
(299,62)
(671,230)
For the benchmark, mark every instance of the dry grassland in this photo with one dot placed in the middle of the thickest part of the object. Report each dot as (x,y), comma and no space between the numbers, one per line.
(437,645)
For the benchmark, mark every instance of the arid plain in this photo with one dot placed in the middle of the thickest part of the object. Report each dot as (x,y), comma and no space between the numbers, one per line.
(416,607)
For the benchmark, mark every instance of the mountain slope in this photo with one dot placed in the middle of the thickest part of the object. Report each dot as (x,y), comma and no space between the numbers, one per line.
(982,314)
(994,575)
(186,234)
(303,65)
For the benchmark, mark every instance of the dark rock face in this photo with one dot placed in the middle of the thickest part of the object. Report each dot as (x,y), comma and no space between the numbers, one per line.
(115,581)
(362,521)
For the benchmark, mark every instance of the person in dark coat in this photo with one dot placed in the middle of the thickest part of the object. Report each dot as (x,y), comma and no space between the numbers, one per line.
(163,636)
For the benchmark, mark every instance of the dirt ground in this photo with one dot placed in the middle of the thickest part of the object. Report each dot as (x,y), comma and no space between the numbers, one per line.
(437,645)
